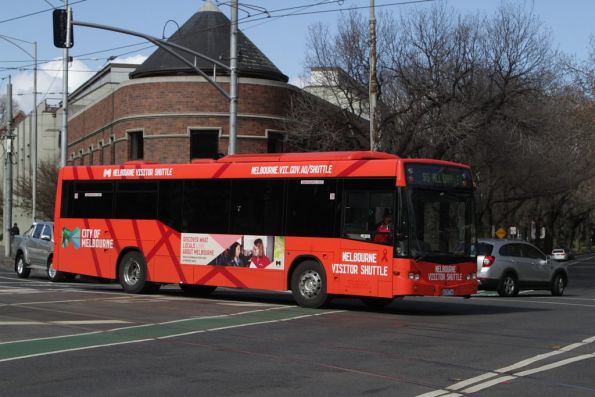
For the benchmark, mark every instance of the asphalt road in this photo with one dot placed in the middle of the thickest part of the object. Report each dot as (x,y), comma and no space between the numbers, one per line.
(85,338)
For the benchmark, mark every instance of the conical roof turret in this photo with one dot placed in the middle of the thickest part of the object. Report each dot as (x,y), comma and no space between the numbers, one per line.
(208,32)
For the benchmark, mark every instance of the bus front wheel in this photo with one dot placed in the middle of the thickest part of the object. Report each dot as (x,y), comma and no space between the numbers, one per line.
(308,285)
(133,274)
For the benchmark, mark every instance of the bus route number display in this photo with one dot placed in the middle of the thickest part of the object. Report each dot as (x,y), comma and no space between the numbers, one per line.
(435,175)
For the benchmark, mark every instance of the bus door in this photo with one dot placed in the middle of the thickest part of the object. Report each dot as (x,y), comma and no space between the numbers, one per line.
(367,231)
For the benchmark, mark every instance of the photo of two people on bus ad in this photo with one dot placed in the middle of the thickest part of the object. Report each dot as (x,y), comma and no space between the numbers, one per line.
(255,257)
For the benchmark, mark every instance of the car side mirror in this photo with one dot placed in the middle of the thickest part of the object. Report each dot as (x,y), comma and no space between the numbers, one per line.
(45,237)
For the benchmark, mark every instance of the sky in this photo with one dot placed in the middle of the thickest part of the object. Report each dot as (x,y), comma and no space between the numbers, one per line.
(281,37)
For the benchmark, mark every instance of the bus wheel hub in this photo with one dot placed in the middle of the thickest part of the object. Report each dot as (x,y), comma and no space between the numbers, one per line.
(310,284)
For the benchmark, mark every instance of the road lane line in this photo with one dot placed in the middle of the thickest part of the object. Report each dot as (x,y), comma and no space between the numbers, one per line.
(67,322)
(21,323)
(540,302)
(72,350)
(435,393)
(523,363)
(17,350)
(487,384)
(555,365)
(465,383)
(89,322)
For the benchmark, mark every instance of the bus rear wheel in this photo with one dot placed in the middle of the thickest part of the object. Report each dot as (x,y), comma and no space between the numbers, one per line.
(197,290)
(133,274)
(308,285)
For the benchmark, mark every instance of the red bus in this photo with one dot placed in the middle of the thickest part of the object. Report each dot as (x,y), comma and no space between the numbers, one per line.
(363,223)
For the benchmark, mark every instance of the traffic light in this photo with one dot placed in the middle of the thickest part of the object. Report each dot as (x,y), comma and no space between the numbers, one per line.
(62,28)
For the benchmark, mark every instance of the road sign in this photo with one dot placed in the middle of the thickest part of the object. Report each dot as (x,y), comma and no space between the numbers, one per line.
(501,233)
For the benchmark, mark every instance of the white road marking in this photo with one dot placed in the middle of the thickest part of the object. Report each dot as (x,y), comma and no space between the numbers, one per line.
(157,338)
(21,323)
(19,291)
(484,383)
(489,383)
(66,322)
(554,365)
(89,322)
(74,349)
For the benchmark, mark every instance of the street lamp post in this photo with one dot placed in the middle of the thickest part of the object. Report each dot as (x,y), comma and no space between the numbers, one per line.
(12,40)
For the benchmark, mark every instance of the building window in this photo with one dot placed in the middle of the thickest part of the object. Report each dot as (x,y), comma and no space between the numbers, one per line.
(275,142)
(91,155)
(112,149)
(101,147)
(135,145)
(204,144)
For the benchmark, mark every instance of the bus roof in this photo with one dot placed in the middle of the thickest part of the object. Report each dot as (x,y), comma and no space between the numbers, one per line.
(310,156)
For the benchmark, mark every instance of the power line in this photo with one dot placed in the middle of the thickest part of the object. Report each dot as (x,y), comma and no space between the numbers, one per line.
(37,12)
(348,9)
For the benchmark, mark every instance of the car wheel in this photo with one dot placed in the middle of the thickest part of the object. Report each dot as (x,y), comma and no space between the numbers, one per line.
(376,302)
(197,290)
(308,285)
(133,274)
(508,286)
(558,285)
(53,274)
(21,267)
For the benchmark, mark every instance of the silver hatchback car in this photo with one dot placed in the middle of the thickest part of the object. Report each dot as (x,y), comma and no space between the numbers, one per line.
(509,265)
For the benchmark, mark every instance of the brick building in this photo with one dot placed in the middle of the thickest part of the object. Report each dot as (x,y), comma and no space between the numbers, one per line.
(163,111)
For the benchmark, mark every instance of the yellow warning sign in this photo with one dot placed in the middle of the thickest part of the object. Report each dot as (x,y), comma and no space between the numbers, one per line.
(501,233)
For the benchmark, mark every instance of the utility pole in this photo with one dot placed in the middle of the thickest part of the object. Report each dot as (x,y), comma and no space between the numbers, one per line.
(233,78)
(7,215)
(67,45)
(34,137)
(33,55)
(373,84)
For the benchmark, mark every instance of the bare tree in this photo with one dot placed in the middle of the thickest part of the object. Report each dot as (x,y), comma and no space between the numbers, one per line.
(3,105)
(484,90)
(46,190)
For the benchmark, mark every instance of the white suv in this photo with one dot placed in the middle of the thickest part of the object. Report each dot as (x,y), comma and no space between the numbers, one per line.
(509,265)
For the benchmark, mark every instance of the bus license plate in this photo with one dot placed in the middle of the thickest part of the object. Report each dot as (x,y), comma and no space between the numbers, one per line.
(448,292)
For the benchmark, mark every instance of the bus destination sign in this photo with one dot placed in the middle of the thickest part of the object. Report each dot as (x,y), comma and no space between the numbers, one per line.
(440,176)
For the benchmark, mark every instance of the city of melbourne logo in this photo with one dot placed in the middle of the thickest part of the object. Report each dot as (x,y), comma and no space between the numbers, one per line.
(71,236)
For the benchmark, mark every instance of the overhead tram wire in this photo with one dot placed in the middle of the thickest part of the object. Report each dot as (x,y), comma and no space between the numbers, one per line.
(37,12)
(305,6)
(347,9)
(28,67)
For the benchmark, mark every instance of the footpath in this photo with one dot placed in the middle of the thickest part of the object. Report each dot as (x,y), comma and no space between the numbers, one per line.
(6,262)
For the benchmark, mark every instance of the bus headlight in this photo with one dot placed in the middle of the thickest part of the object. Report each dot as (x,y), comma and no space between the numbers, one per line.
(472,276)
(413,276)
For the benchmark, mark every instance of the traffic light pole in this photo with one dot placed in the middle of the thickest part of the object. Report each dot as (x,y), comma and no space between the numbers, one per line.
(7,213)
(63,23)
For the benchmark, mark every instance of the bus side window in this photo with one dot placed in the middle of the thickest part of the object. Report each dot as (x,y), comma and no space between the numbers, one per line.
(136,200)
(369,204)
(91,200)
(257,207)
(170,203)
(312,208)
(206,206)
